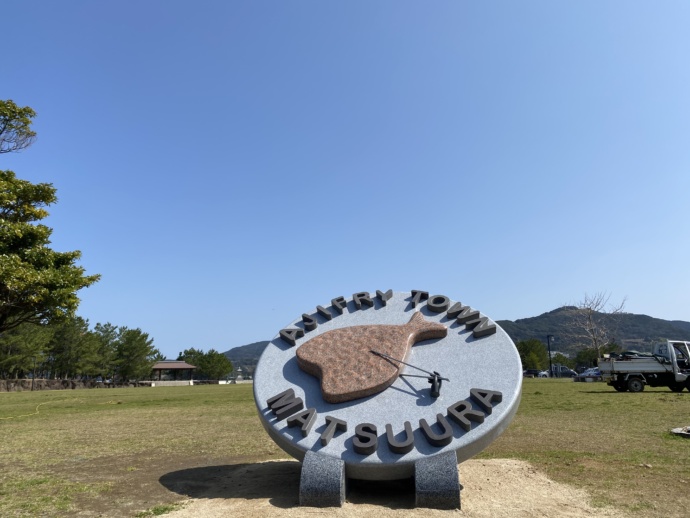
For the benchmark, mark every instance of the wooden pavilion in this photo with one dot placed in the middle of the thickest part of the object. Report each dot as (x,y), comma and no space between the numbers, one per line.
(173,370)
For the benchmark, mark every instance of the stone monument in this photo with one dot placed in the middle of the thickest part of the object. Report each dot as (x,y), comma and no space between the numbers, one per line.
(385,387)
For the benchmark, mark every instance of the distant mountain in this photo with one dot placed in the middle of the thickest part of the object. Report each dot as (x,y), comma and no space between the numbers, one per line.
(631,331)
(246,356)
(637,332)
(680,324)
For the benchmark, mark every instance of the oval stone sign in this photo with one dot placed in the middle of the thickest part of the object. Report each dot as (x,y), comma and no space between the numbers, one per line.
(382,380)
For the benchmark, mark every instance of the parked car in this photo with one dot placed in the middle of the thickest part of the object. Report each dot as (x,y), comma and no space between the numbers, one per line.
(561,371)
(592,374)
(531,373)
(543,374)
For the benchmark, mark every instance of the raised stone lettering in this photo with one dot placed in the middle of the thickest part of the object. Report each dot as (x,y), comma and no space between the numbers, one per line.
(438,303)
(332,425)
(471,324)
(310,322)
(455,310)
(404,446)
(384,297)
(339,304)
(418,296)
(305,420)
(362,298)
(365,440)
(466,315)
(485,328)
(434,438)
(285,404)
(291,335)
(485,398)
(462,413)
(324,312)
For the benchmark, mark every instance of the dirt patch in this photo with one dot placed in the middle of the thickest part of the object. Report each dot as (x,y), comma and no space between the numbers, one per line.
(219,487)
(134,481)
(492,488)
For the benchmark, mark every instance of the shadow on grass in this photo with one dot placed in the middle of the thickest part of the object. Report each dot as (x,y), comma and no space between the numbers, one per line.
(278,482)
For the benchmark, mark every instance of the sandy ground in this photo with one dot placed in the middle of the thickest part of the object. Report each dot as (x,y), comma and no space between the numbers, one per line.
(492,488)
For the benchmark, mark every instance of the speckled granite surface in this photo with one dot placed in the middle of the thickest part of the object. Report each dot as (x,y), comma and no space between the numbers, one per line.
(344,361)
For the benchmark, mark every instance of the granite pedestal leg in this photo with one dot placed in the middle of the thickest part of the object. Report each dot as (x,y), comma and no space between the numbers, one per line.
(322,483)
(437,485)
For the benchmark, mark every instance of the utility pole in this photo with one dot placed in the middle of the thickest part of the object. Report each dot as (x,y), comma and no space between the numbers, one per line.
(548,342)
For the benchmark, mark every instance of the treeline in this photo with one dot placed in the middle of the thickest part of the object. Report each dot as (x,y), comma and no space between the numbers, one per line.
(210,365)
(68,349)
(534,355)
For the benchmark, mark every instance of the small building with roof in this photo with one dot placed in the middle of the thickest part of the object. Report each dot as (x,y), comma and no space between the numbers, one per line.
(173,370)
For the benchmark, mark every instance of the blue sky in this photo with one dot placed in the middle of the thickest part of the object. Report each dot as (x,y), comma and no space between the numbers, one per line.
(227,166)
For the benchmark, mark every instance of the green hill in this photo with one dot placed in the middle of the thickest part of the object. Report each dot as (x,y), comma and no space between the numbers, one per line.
(246,356)
(631,331)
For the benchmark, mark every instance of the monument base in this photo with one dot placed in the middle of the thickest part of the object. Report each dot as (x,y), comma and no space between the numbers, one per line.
(322,483)
(437,485)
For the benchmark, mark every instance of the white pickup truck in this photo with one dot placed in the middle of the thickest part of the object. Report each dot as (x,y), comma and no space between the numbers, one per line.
(668,366)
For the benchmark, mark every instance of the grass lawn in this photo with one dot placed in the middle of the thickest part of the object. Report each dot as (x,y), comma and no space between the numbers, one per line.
(615,445)
(102,451)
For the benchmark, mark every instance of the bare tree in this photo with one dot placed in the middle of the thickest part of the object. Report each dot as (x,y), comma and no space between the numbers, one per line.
(595,320)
